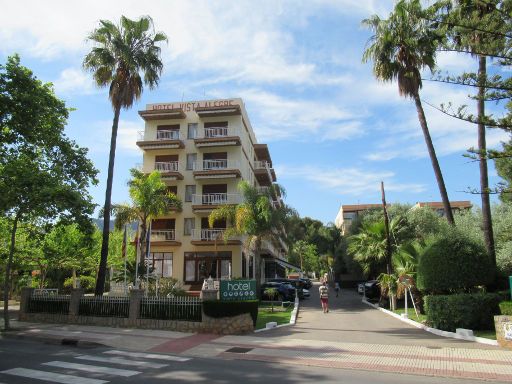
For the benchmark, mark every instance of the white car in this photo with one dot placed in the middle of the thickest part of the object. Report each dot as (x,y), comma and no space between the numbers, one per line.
(305,292)
(360,288)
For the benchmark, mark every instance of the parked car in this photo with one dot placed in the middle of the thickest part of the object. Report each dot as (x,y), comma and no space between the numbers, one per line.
(360,288)
(307,283)
(297,283)
(285,291)
(305,292)
(372,290)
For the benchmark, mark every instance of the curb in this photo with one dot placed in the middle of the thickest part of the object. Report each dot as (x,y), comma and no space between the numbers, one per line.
(52,340)
(293,318)
(435,331)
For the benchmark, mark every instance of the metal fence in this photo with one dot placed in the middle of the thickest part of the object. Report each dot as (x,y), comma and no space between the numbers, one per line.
(176,308)
(104,306)
(42,303)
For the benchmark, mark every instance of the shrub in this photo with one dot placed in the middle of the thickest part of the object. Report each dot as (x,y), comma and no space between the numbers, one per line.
(214,308)
(463,310)
(167,286)
(506,308)
(86,282)
(453,263)
(504,258)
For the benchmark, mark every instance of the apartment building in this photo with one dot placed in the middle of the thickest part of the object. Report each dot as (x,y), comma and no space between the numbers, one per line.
(203,150)
(348,213)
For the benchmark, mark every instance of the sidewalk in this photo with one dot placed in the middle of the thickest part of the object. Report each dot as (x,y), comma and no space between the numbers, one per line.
(350,336)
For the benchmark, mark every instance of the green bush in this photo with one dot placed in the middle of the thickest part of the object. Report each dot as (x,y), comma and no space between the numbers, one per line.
(506,308)
(464,310)
(453,263)
(214,308)
(88,283)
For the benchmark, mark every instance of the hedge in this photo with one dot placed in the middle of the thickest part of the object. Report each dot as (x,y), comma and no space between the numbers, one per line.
(453,263)
(214,308)
(464,310)
(506,308)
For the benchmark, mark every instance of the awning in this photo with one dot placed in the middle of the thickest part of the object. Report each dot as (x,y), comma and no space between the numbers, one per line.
(285,264)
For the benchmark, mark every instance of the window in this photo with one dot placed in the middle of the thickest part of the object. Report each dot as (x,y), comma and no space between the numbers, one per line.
(191,159)
(161,263)
(192,131)
(189,191)
(201,265)
(189,225)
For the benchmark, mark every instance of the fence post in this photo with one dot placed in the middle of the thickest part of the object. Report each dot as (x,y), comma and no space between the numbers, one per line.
(134,311)
(26,293)
(74,301)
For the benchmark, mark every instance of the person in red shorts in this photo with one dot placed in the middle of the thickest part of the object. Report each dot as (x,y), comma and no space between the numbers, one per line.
(324,296)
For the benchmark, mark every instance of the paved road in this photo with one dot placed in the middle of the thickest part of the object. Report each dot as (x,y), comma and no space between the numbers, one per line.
(24,362)
(349,320)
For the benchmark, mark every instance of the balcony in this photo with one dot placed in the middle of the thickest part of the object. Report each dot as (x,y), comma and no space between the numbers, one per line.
(164,237)
(208,237)
(164,139)
(209,201)
(169,170)
(264,173)
(216,169)
(218,136)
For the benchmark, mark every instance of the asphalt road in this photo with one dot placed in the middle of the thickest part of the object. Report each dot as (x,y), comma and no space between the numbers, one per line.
(30,362)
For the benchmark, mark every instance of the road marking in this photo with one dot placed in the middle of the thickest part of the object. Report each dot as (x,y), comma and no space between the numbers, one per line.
(93,368)
(148,355)
(50,376)
(117,360)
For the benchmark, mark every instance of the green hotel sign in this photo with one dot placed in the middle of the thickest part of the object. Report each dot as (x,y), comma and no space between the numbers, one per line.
(238,290)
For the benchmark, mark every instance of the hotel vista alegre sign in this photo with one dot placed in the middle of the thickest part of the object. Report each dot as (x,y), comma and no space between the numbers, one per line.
(237,290)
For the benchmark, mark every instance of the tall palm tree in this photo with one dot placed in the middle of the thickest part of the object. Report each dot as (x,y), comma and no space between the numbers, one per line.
(256,218)
(402,46)
(124,58)
(150,199)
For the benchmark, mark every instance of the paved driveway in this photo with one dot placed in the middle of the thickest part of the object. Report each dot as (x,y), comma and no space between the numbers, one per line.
(349,320)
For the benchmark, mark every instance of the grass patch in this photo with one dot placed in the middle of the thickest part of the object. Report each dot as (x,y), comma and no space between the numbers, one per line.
(280,315)
(488,334)
(411,314)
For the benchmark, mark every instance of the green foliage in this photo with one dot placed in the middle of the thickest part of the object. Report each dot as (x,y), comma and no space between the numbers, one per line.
(86,282)
(305,255)
(167,287)
(219,309)
(506,308)
(463,310)
(453,262)
(504,258)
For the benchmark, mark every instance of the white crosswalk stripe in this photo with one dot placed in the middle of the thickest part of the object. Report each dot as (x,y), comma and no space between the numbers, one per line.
(51,376)
(121,361)
(93,368)
(142,355)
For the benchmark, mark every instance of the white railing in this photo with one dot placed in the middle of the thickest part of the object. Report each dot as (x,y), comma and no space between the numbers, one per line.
(216,199)
(212,132)
(208,234)
(140,135)
(261,164)
(208,165)
(163,235)
(168,134)
(169,166)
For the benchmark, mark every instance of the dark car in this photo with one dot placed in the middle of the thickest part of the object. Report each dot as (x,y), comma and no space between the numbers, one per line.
(372,290)
(307,283)
(285,292)
(297,283)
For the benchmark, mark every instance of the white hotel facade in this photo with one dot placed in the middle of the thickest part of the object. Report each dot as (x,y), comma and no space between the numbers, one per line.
(203,150)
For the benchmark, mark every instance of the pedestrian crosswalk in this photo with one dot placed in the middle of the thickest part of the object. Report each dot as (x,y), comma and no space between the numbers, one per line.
(113,362)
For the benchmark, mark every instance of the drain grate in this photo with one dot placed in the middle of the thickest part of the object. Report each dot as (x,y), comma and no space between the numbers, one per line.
(431,347)
(239,350)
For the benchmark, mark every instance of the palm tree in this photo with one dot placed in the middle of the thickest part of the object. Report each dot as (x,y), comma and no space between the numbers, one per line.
(402,46)
(150,199)
(124,57)
(256,218)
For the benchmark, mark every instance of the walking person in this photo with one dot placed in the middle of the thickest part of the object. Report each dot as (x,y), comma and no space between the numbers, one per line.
(337,288)
(324,296)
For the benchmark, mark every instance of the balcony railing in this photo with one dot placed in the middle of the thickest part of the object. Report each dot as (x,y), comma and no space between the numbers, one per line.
(212,132)
(208,234)
(210,165)
(261,165)
(163,235)
(161,135)
(170,166)
(216,199)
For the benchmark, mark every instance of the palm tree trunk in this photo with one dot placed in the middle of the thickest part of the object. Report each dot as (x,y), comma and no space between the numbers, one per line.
(433,159)
(7,282)
(482,157)
(102,271)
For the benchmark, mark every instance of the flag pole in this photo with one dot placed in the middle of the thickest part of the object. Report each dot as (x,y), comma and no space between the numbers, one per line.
(124,256)
(137,246)
(148,247)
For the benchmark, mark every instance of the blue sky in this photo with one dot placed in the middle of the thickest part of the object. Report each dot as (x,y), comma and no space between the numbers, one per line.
(334,132)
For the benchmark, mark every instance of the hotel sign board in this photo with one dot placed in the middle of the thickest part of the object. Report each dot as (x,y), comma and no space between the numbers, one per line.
(238,290)
(193,105)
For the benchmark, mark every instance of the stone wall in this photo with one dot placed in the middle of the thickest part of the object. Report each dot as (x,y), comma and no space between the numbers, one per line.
(235,325)
(500,322)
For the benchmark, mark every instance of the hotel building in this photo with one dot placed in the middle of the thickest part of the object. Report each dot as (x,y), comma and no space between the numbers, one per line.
(203,149)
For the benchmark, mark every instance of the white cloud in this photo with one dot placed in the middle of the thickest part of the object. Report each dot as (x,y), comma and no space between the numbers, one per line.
(348,181)
(73,80)
(98,139)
